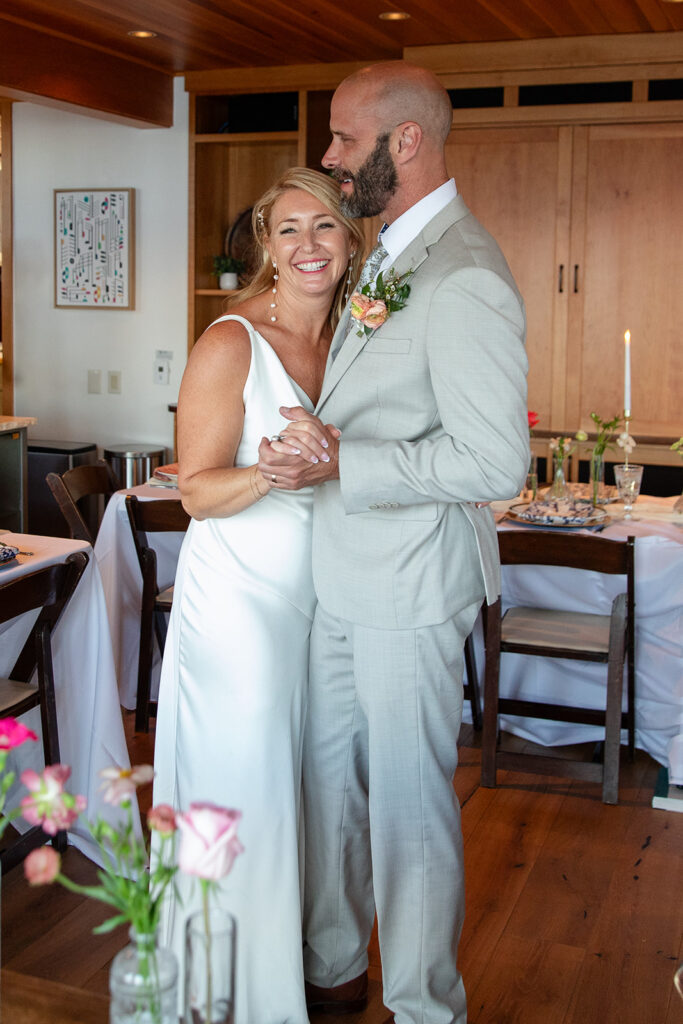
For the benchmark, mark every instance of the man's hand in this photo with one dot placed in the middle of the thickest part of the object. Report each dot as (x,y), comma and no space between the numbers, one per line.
(307,454)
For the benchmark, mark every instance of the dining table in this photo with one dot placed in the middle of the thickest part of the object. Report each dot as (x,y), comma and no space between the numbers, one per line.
(91,733)
(658,530)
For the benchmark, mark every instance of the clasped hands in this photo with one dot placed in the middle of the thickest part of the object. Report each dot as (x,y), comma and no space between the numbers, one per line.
(307,453)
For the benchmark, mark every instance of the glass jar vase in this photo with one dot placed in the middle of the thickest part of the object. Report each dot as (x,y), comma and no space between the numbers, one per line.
(210,940)
(597,478)
(143,983)
(559,488)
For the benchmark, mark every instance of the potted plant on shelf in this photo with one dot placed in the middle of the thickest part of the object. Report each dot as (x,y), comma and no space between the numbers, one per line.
(226,269)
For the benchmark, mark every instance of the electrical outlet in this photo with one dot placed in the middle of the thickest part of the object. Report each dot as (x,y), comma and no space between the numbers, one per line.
(162,371)
(94,382)
(114,382)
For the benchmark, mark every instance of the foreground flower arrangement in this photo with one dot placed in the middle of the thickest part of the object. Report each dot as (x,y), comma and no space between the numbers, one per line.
(134,878)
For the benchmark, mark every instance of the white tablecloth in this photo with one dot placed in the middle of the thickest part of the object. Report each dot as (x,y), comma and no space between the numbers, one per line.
(91,735)
(122,583)
(659,620)
(659,633)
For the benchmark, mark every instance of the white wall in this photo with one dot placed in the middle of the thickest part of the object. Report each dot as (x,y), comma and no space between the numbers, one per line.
(54,348)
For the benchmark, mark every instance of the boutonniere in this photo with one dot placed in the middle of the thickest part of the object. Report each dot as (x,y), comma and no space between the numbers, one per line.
(371,306)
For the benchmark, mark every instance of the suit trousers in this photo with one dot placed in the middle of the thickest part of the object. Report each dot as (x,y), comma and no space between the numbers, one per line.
(382,819)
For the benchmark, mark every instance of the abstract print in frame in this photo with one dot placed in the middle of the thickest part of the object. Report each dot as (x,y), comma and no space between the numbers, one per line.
(95,248)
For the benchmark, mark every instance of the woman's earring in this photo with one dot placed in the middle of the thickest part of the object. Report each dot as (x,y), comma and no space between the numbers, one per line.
(273,305)
(348,279)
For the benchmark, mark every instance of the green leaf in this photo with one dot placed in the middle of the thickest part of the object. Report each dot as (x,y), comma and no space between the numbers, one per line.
(110,925)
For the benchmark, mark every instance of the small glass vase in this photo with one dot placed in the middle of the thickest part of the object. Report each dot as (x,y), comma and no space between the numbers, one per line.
(597,478)
(559,488)
(143,983)
(210,943)
(531,484)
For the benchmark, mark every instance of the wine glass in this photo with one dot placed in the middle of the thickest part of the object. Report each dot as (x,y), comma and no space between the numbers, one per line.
(628,480)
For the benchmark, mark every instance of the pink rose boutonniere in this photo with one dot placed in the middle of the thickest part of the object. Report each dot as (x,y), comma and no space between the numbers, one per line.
(372,306)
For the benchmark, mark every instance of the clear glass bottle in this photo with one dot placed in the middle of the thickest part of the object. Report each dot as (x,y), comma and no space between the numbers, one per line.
(559,488)
(143,983)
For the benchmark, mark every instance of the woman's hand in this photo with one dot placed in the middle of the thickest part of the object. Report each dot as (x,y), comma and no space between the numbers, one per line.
(305,436)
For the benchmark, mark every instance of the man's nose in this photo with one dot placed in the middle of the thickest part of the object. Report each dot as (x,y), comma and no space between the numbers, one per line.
(330,158)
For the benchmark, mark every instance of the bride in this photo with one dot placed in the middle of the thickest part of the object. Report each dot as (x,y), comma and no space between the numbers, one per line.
(233,687)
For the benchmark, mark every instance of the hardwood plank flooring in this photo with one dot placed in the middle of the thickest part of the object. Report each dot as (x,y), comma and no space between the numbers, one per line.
(574,911)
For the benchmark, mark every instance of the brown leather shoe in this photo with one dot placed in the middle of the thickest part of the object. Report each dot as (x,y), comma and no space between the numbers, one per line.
(349,997)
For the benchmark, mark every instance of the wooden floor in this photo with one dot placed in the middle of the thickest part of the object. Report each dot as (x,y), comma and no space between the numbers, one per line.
(574,909)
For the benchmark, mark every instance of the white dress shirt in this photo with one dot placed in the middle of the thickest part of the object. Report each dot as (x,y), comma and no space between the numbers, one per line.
(397,236)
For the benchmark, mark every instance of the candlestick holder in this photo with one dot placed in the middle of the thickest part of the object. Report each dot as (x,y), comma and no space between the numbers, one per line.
(627,417)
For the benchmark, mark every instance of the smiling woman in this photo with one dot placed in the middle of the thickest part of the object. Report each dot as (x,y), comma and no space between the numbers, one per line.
(234,678)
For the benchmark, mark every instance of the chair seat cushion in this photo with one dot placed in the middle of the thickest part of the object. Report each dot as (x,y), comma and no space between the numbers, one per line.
(12,693)
(545,627)
(164,599)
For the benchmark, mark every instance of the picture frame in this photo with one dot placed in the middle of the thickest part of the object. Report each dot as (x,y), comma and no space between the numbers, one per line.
(94,248)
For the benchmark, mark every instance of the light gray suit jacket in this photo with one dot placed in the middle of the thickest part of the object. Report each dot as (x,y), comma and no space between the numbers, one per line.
(432,409)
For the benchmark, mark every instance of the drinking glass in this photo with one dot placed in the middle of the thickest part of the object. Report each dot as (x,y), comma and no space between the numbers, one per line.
(628,480)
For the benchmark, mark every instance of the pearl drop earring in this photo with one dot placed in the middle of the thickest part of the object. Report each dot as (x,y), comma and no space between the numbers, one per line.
(273,305)
(348,278)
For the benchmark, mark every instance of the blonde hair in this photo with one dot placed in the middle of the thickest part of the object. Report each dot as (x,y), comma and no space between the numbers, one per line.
(323,188)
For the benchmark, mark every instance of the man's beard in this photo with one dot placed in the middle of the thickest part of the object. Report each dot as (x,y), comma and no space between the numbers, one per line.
(374,183)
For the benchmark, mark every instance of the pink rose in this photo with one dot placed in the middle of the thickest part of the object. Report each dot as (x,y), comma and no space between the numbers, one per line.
(48,805)
(162,819)
(13,733)
(209,842)
(376,314)
(359,305)
(120,783)
(42,866)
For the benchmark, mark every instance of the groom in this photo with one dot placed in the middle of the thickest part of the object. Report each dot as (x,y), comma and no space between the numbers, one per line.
(432,412)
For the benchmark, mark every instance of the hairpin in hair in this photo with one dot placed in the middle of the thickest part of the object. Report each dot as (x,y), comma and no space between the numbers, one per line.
(259,218)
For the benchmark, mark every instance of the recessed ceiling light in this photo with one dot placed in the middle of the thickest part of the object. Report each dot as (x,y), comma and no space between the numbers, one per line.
(142,34)
(394,16)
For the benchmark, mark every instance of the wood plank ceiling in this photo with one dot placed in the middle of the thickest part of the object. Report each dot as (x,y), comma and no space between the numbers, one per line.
(195,35)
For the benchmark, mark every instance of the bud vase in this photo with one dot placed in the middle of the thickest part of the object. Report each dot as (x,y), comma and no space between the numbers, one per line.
(143,982)
(559,488)
(210,940)
(597,478)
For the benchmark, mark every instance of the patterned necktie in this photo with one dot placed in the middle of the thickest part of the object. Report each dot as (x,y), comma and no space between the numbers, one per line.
(372,265)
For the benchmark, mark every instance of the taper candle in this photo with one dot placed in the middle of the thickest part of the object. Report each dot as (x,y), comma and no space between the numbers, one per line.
(627,374)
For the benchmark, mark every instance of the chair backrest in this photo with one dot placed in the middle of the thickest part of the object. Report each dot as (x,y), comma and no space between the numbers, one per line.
(166,515)
(574,551)
(48,589)
(77,483)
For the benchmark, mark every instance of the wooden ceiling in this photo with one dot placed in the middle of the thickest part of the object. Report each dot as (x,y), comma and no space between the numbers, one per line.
(195,35)
(79,52)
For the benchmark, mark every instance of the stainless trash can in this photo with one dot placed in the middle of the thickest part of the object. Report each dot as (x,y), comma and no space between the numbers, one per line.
(133,463)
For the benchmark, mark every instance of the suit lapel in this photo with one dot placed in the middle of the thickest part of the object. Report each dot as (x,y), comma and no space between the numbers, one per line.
(346,345)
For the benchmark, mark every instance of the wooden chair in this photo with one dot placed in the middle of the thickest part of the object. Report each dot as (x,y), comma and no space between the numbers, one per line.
(75,486)
(572,635)
(49,590)
(164,516)
(471,687)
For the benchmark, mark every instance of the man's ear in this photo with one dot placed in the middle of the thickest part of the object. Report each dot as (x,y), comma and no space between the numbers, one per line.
(407,139)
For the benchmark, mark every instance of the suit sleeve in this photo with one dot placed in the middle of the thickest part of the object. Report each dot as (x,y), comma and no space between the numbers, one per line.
(477,448)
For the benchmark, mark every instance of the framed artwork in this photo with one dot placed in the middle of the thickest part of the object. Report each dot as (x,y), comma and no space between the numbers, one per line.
(95,248)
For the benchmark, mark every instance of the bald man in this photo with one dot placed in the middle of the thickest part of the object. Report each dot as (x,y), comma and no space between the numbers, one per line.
(432,412)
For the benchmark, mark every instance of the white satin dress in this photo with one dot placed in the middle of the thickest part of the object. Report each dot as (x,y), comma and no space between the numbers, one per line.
(232,704)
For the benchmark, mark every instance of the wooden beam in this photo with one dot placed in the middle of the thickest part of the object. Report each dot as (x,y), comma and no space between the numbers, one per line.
(575,51)
(272,79)
(42,67)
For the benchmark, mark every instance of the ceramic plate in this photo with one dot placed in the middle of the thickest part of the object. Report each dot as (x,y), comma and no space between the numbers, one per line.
(558,513)
(7,554)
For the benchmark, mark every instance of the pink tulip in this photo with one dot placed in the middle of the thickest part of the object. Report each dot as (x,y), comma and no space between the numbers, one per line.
(120,783)
(42,866)
(48,805)
(13,733)
(209,842)
(162,819)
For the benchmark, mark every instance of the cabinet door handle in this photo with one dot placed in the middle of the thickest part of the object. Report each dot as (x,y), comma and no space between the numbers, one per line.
(560,279)
(576,277)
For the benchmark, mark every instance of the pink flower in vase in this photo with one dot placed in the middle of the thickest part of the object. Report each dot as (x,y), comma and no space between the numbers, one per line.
(209,842)
(41,867)
(162,819)
(14,733)
(120,783)
(48,805)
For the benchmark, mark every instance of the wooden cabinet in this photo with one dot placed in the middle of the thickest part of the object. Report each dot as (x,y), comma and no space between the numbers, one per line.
(588,216)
